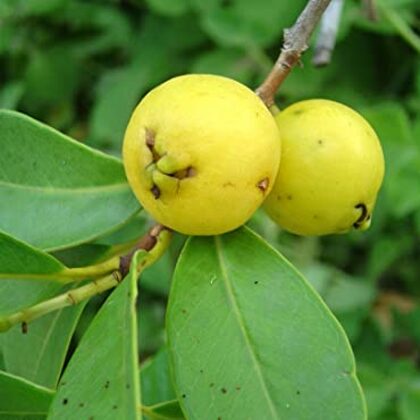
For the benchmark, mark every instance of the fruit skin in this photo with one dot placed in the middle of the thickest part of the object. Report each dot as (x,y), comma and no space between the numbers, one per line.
(331,170)
(201,153)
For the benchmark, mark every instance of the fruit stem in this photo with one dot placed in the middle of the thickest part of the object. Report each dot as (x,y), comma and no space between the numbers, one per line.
(153,245)
(295,43)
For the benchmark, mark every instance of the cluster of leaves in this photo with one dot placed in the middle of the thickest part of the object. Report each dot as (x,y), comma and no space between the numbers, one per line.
(82,66)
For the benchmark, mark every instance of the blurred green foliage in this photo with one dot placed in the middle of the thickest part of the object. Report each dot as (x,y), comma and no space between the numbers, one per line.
(81,66)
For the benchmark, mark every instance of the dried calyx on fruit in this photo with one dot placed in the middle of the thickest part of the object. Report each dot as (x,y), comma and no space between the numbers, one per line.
(331,171)
(201,153)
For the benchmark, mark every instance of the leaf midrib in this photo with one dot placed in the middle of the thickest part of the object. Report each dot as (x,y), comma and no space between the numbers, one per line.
(243,329)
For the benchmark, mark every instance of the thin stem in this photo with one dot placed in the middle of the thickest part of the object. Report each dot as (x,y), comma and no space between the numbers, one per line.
(295,43)
(71,275)
(92,271)
(369,8)
(75,296)
(327,35)
(402,27)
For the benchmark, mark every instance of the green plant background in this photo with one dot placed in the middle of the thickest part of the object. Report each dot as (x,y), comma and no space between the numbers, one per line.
(81,66)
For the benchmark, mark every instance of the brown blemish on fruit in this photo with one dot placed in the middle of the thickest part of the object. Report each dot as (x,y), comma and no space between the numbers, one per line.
(263,184)
(298,112)
(155,191)
(150,143)
(320,142)
(150,139)
(289,197)
(228,184)
(363,216)
(184,173)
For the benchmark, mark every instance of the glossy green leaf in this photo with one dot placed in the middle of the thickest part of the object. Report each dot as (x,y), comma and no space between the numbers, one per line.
(20,398)
(249,337)
(17,294)
(164,411)
(55,192)
(101,379)
(39,354)
(156,382)
(17,257)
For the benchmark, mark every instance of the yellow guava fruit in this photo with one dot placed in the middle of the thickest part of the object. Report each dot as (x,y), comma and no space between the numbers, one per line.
(201,153)
(331,169)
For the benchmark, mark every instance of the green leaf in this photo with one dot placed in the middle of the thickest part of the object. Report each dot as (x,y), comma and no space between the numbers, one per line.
(54,191)
(156,382)
(402,157)
(33,7)
(18,294)
(246,22)
(19,397)
(249,337)
(39,354)
(409,404)
(18,257)
(11,93)
(102,380)
(231,63)
(169,7)
(401,26)
(164,411)
(378,389)
(118,94)
(52,77)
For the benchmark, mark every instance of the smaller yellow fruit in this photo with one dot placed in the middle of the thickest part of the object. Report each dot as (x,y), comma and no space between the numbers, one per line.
(201,153)
(331,170)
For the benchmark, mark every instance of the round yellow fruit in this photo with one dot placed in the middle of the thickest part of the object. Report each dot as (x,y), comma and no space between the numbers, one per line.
(331,170)
(201,153)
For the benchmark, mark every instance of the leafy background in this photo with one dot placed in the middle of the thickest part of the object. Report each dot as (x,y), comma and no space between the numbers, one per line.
(81,66)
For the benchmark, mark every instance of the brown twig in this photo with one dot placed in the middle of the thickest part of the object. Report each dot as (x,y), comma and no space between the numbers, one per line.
(147,242)
(295,43)
(327,35)
(369,9)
